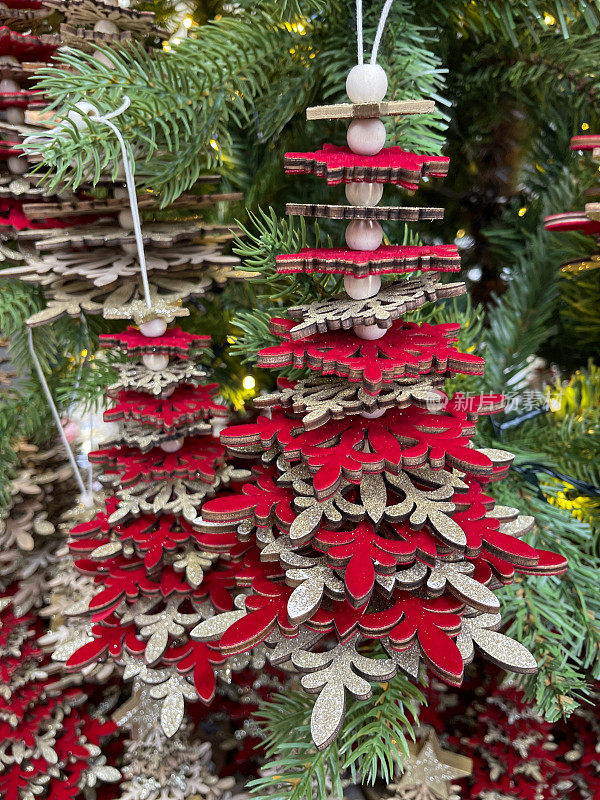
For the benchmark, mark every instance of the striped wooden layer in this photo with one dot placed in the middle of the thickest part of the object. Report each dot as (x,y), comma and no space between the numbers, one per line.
(391,165)
(21,71)
(370,110)
(21,99)
(572,221)
(360,263)
(383,213)
(113,205)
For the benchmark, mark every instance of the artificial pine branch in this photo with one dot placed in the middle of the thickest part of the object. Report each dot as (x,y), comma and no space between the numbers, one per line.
(372,743)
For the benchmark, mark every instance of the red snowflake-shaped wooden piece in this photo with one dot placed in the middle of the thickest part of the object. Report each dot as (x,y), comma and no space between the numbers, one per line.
(174,342)
(187,404)
(197,459)
(391,165)
(572,221)
(264,501)
(351,447)
(588,141)
(360,263)
(364,554)
(406,349)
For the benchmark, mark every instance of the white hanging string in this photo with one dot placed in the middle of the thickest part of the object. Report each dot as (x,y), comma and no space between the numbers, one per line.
(87,497)
(135,212)
(380,28)
(359,32)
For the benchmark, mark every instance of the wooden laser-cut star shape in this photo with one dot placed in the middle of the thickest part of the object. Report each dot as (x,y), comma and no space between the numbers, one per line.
(429,772)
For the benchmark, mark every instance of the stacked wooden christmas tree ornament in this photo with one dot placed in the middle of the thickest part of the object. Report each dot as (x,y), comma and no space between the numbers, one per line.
(81,249)
(368,522)
(155,576)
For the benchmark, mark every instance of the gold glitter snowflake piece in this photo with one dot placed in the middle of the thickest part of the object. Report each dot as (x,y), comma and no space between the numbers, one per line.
(392,302)
(429,772)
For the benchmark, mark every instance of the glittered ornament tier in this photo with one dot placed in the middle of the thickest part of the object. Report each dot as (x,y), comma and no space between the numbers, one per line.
(53,741)
(572,221)
(174,342)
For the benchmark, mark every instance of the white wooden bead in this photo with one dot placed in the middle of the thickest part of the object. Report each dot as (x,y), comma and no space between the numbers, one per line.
(17,165)
(364,194)
(155,361)
(16,116)
(84,109)
(103,59)
(11,61)
(361,288)
(219,424)
(369,332)
(366,137)
(8,85)
(126,219)
(172,446)
(373,414)
(155,327)
(366,83)
(105,26)
(364,234)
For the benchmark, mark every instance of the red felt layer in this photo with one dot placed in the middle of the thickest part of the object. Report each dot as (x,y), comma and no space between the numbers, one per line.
(360,263)
(391,165)
(406,349)
(572,221)
(585,142)
(173,342)
(24,47)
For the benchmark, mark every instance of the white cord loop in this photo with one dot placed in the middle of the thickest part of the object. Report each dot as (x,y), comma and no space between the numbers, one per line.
(135,212)
(87,496)
(359,32)
(379,33)
(380,28)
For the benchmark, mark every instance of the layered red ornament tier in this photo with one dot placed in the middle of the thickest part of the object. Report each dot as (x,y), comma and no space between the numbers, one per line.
(156,575)
(368,520)
(53,743)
